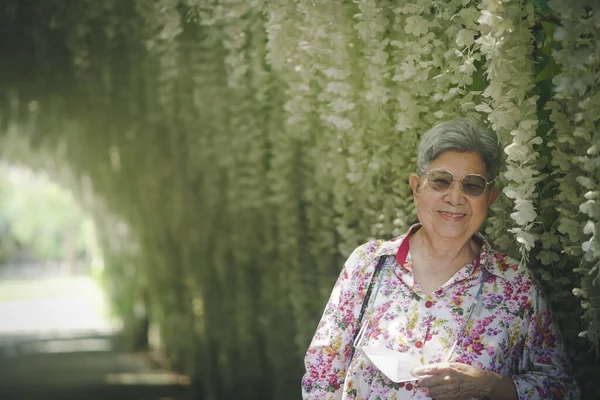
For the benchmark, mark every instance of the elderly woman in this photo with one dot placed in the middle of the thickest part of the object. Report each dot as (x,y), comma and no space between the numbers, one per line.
(437,313)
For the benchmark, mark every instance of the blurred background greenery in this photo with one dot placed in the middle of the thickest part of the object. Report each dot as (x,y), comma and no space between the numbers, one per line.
(40,221)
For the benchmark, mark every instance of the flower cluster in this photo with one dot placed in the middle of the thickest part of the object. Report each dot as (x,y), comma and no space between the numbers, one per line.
(506,43)
(371,26)
(236,23)
(576,115)
(164,26)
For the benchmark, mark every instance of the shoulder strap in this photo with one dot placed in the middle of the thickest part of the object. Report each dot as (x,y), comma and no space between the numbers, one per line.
(376,273)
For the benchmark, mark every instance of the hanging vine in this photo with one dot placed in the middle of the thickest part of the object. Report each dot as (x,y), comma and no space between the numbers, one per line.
(575,114)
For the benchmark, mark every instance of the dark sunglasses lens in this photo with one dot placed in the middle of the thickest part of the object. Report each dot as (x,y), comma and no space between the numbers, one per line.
(440,180)
(473,185)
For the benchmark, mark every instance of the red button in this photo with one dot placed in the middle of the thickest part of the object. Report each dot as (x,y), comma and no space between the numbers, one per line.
(419,344)
(428,304)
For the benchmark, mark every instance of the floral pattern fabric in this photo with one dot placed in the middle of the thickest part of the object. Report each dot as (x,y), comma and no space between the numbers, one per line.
(510,332)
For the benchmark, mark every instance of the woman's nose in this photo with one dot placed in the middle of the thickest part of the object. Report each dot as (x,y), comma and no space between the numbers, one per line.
(454,195)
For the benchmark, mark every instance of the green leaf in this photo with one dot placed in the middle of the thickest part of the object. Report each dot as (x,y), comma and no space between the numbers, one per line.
(549,28)
(548,72)
(541,7)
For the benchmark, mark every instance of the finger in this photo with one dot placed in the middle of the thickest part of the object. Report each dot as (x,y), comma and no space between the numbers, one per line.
(449,386)
(442,380)
(433,380)
(431,369)
(420,377)
(423,371)
(441,391)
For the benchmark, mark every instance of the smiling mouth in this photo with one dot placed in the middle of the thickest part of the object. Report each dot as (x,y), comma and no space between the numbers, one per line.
(452,215)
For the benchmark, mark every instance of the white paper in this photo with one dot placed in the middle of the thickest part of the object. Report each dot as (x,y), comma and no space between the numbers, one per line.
(393,364)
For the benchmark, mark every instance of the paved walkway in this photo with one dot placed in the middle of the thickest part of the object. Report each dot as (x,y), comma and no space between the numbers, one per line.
(56,343)
(85,375)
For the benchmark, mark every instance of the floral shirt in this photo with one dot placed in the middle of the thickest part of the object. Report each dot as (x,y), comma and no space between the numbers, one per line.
(510,331)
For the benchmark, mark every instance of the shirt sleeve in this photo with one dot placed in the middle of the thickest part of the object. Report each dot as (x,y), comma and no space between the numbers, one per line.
(330,350)
(546,369)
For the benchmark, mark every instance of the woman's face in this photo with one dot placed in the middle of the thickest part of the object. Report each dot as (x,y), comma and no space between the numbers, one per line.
(450,214)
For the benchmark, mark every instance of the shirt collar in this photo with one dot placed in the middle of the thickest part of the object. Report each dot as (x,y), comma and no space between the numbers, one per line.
(486,256)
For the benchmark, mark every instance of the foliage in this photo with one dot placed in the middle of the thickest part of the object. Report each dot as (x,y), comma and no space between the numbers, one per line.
(42,217)
(233,153)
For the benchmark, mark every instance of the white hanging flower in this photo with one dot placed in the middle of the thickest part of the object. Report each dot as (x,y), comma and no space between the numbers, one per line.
(505,41)
(340,88)
(465,37)
(336,73)
(340,105)
(524,237)
(519,175)
(589,228)
(416,25)
(591,208)
(343,124)
(517,152)
(525,212)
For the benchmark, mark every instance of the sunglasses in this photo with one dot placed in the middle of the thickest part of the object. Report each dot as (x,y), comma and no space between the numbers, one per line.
(472,185)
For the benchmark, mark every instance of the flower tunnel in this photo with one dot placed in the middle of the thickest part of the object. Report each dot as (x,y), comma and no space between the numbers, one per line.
(233,153)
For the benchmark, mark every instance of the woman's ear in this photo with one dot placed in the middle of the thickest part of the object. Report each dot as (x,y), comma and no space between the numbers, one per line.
(415,183)
(494,192)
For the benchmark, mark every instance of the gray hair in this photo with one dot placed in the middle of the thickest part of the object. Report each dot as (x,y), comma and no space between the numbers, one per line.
(462,135)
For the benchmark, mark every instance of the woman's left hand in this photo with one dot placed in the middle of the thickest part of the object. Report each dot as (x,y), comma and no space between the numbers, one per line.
(454,381)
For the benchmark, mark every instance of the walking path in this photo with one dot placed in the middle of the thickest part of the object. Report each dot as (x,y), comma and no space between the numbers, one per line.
(89,375)
(56,343)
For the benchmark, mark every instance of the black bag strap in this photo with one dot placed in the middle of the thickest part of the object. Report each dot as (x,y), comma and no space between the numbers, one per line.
(376,273)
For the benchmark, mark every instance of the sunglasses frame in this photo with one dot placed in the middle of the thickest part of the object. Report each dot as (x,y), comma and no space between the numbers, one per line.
(487,183)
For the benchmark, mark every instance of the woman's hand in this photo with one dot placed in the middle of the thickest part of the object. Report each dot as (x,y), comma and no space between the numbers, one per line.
(456,381)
